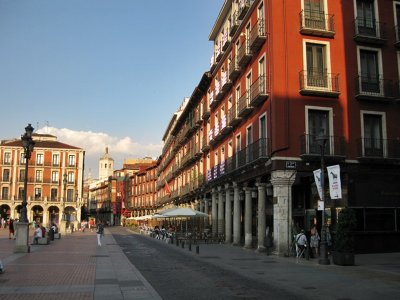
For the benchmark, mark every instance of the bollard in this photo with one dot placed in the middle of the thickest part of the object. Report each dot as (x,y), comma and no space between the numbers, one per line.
(197,249)
(183,244)
(177,242)
(190,246)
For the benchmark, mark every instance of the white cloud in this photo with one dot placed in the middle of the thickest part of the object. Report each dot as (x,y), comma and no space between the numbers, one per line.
(94,144)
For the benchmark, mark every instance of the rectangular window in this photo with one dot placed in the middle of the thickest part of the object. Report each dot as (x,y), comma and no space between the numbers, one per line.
(263,136)
(39,159)
(318,124)
(397,20)
(6,175)
(56,159)
(54,177)
(314,14)
(39,176)
(21,175)
(38,193)
(369,66)
(316,65)
(71,177)
(7,158)
(21,193)
(249,144)
(22,158)
(366,23)
(373,142)
(54,194)
(261,76)
(71,160)
(70,195)
(4,193)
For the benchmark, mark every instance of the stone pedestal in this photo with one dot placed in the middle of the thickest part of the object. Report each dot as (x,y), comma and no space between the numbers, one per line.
(22,238)
(63,227)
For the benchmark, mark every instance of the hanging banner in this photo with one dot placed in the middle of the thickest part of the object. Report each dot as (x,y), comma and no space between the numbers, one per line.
(317,178)
(335,186)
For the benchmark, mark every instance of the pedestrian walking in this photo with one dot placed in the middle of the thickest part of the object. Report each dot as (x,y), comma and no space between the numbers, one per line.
(99,232)
(11,229)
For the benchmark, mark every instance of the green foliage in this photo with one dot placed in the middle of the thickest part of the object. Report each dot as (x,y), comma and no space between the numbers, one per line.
(344,239)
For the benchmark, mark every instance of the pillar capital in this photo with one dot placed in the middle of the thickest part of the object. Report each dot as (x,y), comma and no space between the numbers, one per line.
(283,177)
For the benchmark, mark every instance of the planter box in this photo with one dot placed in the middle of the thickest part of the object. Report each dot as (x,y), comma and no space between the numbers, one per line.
(343,259)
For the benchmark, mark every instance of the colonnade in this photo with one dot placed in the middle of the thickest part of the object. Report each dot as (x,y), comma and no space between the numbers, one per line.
(227,217)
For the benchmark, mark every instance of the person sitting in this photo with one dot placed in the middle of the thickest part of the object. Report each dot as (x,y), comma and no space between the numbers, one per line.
(54,227)
(37,234)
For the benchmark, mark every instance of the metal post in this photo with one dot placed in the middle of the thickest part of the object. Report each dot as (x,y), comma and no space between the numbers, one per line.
(22,226)
(324,260)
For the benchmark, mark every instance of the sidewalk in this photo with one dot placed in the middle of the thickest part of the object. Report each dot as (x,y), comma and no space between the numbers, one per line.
(73,267)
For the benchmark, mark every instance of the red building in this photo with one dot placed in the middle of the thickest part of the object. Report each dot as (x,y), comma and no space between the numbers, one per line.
(285,74)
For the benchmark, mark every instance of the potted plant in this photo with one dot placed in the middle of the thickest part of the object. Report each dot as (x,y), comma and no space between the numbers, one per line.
(344,239)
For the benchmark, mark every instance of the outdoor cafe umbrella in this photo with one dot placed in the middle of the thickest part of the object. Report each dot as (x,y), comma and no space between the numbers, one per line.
(183,212)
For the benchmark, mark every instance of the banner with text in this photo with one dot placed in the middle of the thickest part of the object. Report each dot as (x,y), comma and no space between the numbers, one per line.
(317,178)
(335,186)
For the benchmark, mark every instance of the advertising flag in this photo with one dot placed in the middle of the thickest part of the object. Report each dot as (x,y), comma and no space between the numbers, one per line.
(317,178)
(335,186)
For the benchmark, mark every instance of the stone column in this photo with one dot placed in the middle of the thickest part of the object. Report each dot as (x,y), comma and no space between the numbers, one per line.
(214,216)
(201,205)
(228,214)
(282,181)
(236,215)
(221,215)
(206,209)
(261,216)
(248,237)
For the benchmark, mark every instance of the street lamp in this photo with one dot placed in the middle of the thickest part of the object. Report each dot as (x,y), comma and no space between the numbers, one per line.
(322,139)
(22,239)
(28,145)
(65,195)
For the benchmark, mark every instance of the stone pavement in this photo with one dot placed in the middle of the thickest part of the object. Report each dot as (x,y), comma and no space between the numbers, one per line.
(73,267)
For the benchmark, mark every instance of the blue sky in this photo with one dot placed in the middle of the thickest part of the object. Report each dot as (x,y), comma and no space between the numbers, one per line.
(101,73)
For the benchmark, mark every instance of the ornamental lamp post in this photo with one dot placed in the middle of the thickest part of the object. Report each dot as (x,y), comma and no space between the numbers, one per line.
(22,241)
(322,139)
(63,227)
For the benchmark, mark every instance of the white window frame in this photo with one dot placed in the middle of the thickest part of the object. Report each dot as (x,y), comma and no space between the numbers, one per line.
(328,64)
(384,132)
(380,68)
(331,131)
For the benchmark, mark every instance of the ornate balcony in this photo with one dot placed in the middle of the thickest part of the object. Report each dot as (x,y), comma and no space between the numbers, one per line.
(244,6)
(317,23)
(259,91)
(244,54)
(234,69)
(375,88)
(233,116)
(244,104)
(378,149)
(317,83)
(309,147)
(257,36)
(235,22)
(367,30)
